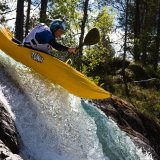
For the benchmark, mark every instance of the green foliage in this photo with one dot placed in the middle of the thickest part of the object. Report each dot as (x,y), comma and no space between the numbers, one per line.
(64,9)
(138,72)
(146,100)
(3,8)
(104,21)
(97,56)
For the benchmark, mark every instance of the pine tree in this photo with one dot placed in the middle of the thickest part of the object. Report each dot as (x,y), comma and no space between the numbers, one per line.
(19,31)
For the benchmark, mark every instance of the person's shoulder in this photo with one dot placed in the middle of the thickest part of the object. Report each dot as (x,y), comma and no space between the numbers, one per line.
(42,26)
(45,34)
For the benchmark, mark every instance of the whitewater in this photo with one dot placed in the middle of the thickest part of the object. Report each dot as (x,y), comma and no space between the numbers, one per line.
(55,125)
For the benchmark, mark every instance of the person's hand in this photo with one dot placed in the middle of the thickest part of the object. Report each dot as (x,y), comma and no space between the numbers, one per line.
(73,50)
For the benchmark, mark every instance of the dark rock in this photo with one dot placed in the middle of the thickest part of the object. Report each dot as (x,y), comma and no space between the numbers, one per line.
(8,133)
(5,153)
(152,131)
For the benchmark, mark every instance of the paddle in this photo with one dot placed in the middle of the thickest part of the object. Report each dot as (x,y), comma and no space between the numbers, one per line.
(91,38)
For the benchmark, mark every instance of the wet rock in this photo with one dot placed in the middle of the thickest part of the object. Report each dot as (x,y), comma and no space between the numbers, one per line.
(6,154)
(9,146)
(8,132)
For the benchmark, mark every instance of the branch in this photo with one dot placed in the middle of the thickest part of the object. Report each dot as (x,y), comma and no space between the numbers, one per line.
(37,6)
(7,11)
(9,19)
(146,80)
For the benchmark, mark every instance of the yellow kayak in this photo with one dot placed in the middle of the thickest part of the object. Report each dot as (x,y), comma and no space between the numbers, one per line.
(52,68)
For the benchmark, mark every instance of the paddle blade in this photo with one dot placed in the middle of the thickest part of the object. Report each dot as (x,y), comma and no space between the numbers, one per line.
(92,37)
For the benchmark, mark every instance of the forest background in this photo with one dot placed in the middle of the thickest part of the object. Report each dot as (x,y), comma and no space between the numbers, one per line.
(128,67)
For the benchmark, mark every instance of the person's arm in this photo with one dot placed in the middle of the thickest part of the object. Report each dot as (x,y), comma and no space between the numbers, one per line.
(46,37)
(58,46)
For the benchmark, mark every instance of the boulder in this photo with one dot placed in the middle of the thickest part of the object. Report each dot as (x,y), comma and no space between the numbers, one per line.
(9,145)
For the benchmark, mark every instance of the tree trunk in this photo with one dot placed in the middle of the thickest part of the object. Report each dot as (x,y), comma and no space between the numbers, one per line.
(137,31)
(19,20)
(125,50)
(144,32)
(85,16)
(43,11)
(28,18)
(157,48)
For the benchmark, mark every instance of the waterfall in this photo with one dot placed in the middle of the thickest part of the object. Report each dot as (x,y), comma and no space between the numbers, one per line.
(55,125)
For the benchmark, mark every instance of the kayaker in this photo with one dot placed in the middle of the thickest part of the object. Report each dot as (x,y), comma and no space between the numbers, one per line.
(44,38)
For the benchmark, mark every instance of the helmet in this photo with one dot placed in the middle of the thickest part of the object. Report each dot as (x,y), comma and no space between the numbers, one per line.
(57,24)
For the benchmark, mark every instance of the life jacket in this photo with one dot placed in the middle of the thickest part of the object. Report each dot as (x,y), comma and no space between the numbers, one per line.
(31,40)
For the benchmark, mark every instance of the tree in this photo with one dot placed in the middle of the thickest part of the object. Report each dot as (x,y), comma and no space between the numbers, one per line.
(142,29)
(97,57)
(43,11)
(3,10)
(137,28)
(157,41)
(28,18)
(3,7)
(19,20)
(125,50)
(83,24)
